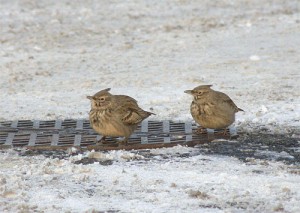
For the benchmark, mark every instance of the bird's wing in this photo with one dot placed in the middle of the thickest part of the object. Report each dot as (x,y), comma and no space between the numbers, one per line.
(226,99)
(135,116)
(121,99)
(129,111)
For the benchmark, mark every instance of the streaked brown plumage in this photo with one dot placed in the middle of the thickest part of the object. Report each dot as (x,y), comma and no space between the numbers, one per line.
(212,109)
(115,115)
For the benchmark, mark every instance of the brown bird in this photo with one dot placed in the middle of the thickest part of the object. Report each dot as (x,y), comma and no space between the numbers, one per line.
(115,115)
(212,109)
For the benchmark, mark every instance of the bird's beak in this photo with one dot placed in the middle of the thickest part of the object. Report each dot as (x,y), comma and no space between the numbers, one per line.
(89,97)
(189,92)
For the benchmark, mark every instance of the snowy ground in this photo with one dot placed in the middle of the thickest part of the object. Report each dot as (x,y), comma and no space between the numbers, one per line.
(54,53)
(171,180)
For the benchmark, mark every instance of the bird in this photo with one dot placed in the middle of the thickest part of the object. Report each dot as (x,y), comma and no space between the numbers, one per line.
(212,109)
(115,115)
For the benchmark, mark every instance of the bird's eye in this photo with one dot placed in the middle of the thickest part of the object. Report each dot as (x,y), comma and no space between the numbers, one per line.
(200,93)
(102,99)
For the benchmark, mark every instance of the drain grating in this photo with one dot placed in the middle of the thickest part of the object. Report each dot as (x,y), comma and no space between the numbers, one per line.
(66,133)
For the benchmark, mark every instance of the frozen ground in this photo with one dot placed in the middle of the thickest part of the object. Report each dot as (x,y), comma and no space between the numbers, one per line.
(54,53)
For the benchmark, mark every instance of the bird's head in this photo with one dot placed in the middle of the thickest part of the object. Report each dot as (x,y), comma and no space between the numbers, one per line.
(101,100)
(199,92)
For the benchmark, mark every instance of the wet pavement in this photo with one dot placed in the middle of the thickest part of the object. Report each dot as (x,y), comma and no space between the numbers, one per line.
(246,147)
(258,146)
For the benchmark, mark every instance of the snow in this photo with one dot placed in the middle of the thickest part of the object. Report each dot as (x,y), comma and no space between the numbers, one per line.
(134,184)
(54,54)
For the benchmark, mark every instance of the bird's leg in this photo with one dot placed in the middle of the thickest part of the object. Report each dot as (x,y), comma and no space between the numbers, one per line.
(201,130)
(102,141)
(225,132)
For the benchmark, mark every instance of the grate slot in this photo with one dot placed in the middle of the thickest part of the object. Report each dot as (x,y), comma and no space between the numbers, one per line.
(69,123)
(88,140)
(156,139)
(25,123)
(155,126)
(21,139)
(86,124)
(47,124)
(43,139)
(200,138)
(177,127)
(134,140)
(3,136)
(65,140)
(5,123)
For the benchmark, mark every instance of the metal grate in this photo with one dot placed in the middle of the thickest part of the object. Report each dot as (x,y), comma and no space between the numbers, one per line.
(70,132)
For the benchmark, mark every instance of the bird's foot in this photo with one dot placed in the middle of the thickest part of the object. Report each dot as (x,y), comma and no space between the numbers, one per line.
(102,141)
(225,132)
(200,131)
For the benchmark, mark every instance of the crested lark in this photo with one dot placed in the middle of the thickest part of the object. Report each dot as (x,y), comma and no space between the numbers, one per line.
(212,109)
(115,115)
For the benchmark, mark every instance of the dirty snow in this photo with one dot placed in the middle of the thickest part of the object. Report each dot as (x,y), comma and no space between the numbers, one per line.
(54,53)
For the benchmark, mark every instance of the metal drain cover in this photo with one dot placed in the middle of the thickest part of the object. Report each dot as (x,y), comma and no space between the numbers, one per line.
(61,134)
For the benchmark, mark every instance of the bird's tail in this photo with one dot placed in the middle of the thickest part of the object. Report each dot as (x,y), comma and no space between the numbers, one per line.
(146,114)
(239,109)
